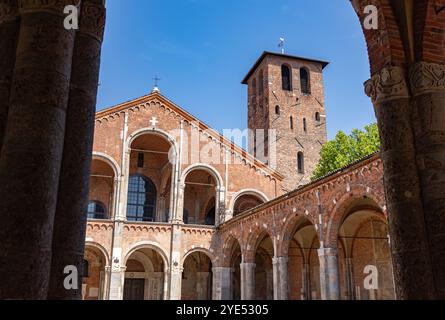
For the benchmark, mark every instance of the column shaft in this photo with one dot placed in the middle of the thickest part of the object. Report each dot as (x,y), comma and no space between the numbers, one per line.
(247,281)
(222,283)
(409,242)
(428,88)
(32,149)
(329,277)
(9,31)
(280,278)
(71,212)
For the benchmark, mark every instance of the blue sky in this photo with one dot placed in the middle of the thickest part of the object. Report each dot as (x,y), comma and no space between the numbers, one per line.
(201,49)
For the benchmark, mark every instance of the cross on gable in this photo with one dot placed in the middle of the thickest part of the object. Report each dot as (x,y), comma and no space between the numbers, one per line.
(154,121)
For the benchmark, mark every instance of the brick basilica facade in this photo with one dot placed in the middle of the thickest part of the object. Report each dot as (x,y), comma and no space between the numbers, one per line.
(177,211)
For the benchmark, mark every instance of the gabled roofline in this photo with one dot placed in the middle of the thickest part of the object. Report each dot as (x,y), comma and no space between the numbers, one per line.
(190,118)
(269,53)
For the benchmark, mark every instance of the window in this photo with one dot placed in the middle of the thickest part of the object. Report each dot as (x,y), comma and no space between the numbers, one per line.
(185,216)
(317,117)
(304,80)
(300,162)
(261,83)
(277,110)
(141,159)
(304,125)
(85,269)
(96,210)
(210,217)
(292,123)
(286,78)
(141,205)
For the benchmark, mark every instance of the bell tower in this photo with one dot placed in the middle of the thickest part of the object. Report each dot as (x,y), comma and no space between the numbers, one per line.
(286,114)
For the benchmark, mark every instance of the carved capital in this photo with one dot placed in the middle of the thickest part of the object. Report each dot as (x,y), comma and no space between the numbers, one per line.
(8,10)
(389,84)
(52,6)
(92,21)
(427,77)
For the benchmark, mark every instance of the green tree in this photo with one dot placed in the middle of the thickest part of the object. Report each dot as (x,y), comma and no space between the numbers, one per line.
(346,149)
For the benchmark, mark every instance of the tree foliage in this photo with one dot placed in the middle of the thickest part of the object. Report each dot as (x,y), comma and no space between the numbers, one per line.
(346,149)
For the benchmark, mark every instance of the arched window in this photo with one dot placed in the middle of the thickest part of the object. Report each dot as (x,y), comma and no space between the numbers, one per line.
(317,117)
(304,125)
(96,210)
(277,110)
(286,78)
(305,81)
(300,162)
(141,199)
(292,123)
(185,216)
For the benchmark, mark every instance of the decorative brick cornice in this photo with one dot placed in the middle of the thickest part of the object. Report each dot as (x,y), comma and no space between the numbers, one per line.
(427,78)
(389,84)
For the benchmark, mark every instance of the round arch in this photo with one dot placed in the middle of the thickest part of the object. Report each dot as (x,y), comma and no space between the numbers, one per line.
(342,209)
(204,251)
(247,192)
(254,240)
(147,245)
(153,131)
(108,160)
(100,248)
(205,167)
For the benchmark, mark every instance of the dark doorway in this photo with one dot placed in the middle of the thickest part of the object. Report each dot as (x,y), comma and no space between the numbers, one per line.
(134,289)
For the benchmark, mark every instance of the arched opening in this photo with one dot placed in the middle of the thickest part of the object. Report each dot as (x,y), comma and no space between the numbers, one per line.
(102,189)
(93,275)
(305,81)
(277,110)
(144,275)
(246,202)
(235,264)
(200,198)
(291,121)
(286,77)
(264,269)
(303,267)
(317,117)
(365,254)
(149,185)
(304,125)
(300,162)
(197,277)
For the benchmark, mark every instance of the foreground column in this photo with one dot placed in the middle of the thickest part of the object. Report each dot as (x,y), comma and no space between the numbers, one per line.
(329,277)
(32,149)
(409,241)
(71,214)
(247,281)
(428,89)
(280,278)
(222,283)
(175,264)
(117,272)
(9,31)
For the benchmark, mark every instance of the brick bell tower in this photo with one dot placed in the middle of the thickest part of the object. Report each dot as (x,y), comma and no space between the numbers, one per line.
(286,102)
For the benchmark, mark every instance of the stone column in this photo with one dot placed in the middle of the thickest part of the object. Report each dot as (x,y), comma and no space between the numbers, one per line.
(178,216)
(9,31)
(32,149)
(71,213)
(175,284)
(220,208)
(117,276)
(247,281)
(428,90)
(222,283)
(329,278)
(280,278)
(409,246)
